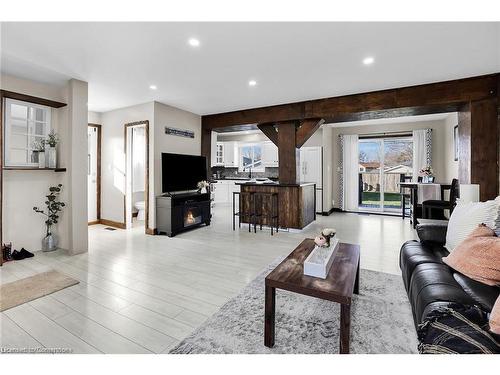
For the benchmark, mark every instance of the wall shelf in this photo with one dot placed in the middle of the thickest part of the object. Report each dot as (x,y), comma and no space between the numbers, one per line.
(33,169)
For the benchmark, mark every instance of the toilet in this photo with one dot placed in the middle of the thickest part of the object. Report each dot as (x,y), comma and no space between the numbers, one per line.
(141,206)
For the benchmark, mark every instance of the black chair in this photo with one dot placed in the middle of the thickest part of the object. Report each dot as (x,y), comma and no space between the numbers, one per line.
(441,205)
(249,214)
(405,194)
(266,207)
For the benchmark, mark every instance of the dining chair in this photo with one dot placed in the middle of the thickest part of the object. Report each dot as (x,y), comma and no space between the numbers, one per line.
(441,205)
(405,194)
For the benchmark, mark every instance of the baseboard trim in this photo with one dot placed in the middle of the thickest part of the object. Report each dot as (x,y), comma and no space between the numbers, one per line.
(330,211)
(111,223)
(94,222)
(151,231)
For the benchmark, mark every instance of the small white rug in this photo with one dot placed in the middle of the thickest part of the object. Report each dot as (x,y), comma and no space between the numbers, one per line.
(381,321)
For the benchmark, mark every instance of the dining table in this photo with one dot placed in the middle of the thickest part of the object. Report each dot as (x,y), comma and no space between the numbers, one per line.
(420,192)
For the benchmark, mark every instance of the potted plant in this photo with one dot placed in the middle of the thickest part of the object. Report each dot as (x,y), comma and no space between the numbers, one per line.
(49,242)
(202,186)
(37,147)
(51,155)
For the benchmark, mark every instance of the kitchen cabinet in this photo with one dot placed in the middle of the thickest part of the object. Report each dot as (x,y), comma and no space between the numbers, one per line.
(269,154)
(219,154)
(230,154)
(214,151)
(223,190)
(311,170)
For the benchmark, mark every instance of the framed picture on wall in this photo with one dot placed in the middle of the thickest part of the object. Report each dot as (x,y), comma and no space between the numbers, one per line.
(455,142)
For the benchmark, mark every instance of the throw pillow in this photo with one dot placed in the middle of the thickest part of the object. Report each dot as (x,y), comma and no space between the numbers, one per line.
(495,317)
(467,216)
(478,256)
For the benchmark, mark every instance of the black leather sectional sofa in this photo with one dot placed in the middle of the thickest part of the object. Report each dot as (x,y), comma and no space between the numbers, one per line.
(430,283)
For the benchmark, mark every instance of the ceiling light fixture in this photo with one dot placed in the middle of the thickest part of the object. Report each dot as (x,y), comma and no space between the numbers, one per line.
(153,87)
(368,60)
(252,82)
(193,42)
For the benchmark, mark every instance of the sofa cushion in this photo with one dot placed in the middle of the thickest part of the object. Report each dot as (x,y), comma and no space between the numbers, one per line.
(457,329)
(414,253)
(434,282)
(478,256)
(482,294)
(495,317)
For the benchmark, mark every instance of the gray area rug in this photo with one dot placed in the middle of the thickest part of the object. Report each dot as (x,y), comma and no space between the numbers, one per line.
(381,321)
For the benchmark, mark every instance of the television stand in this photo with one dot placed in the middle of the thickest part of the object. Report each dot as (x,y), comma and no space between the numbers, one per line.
(177,213)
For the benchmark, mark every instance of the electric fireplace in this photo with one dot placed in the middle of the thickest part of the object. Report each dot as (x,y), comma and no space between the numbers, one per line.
(178,212)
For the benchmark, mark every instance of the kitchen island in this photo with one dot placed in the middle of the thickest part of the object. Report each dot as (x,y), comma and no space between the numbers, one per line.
(297,202)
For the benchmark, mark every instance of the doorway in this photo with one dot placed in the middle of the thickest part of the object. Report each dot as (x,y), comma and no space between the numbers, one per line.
(383,162)
(136,204)
(94,173)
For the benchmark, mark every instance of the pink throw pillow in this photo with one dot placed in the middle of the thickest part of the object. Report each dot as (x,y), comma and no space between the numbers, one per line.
(478,256)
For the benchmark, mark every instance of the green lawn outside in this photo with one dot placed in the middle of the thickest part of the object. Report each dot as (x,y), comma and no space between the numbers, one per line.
(371,198)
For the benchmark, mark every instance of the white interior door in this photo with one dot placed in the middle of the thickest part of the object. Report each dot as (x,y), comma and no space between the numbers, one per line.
(92,173)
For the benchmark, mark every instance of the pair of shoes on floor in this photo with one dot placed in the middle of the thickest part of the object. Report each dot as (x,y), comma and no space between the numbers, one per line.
(7,252)
(22,254)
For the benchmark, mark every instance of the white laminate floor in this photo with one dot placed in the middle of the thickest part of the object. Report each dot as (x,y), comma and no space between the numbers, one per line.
(143,294)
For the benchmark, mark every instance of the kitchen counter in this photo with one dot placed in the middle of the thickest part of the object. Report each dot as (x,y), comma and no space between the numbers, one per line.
(278,184)
(297,202)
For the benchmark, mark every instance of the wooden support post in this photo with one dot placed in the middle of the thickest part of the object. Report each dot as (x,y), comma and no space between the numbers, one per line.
(289,157)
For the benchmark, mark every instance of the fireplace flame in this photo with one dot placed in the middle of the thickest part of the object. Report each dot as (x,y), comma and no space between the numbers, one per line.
(190,218)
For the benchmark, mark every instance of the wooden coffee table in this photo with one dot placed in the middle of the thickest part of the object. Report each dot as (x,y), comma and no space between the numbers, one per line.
(342,281)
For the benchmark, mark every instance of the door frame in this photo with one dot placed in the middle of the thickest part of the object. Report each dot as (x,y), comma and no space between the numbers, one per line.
(98,179)
(145,123)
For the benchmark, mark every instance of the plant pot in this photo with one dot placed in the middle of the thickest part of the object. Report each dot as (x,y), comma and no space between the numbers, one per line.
(34,157)
(51,157)
(49,243)
(41,159)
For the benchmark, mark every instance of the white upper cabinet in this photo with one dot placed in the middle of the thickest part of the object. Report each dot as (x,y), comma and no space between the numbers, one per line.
(230,156)
(213,150)
(269,154)
(219,154)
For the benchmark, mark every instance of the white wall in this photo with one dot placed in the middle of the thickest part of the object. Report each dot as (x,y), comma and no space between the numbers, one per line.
(165,115)
(94,117)
(25,189)
(113,158)
(442,156)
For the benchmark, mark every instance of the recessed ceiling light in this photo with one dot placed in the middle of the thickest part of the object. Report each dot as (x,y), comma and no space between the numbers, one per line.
(193,42)
(368,60)
(252,82)
(153,87)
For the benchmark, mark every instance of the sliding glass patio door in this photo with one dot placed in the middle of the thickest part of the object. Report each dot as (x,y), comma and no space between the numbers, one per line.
(383,163)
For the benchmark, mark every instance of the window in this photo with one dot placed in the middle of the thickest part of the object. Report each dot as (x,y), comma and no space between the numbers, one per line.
(25,125)
(251,157)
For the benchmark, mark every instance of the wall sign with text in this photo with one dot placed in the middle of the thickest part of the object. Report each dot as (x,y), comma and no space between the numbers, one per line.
(179,132)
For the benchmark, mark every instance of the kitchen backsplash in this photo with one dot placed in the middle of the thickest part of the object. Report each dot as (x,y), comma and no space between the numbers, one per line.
(270,172)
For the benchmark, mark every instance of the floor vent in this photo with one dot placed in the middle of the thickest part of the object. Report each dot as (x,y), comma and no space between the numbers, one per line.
(109,228)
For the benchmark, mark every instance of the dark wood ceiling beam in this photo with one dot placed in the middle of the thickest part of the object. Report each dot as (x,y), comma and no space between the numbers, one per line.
(269,130)
(428,97)
(306,130)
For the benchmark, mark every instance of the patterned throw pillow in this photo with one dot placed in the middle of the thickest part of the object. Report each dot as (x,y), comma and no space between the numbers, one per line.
(457,330)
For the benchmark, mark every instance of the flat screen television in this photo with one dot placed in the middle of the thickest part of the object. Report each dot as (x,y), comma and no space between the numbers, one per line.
(182,172)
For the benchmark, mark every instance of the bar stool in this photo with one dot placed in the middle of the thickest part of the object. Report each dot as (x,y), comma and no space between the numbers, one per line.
(250,214)
(269,213)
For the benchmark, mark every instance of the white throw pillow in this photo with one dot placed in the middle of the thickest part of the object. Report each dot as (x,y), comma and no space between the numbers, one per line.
(467,216)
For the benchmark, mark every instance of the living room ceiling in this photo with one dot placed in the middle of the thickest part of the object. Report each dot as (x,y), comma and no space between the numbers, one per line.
(287,61)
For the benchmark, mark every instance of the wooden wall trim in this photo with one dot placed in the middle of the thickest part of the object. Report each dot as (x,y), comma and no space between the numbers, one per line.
(32,99)
(428,98)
